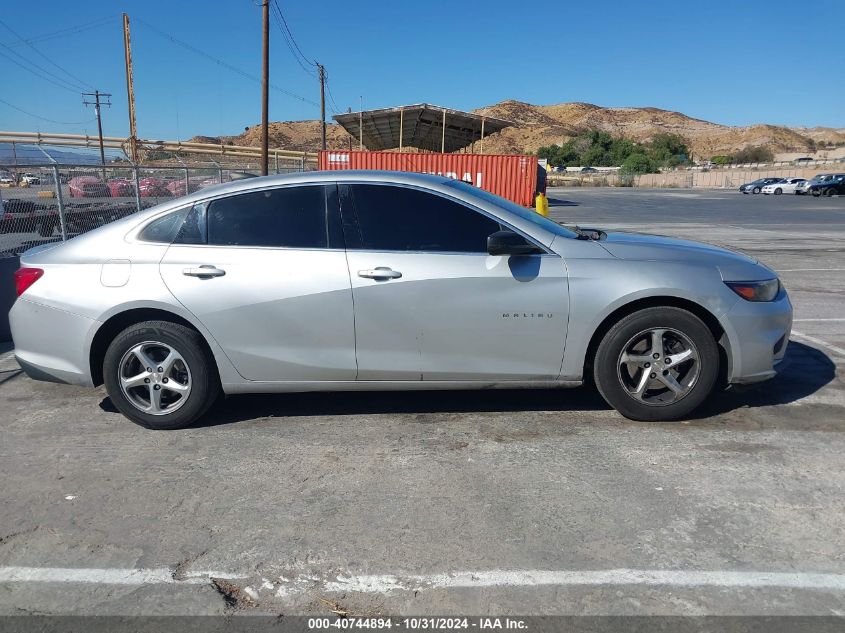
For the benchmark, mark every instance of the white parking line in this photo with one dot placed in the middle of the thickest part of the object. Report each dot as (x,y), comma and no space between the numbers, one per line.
(460,579)
(816,320)
(540,578)
(819,342)
(112,576)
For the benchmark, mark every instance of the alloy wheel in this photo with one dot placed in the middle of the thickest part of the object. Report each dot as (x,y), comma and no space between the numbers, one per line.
(155,378)
(658,366)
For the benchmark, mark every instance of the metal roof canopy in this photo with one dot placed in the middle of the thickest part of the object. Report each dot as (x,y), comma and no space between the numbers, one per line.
(422,125)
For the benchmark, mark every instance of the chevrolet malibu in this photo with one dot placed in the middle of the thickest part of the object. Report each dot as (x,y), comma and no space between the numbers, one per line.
(387,281)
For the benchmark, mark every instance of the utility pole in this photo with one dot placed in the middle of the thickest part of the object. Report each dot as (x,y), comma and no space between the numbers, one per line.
(265,77)
(96,103)
(361,123)
(322,70)
(130,91)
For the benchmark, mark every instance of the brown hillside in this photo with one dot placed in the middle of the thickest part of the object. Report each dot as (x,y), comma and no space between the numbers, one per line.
(536,126)
(295,135)
(544,125)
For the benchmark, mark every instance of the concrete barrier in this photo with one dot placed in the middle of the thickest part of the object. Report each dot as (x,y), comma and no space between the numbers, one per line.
(8,265)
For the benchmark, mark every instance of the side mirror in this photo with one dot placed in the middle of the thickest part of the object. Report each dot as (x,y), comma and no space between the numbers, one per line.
(510,243)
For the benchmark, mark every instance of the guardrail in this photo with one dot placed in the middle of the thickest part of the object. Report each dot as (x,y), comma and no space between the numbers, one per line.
(120,143)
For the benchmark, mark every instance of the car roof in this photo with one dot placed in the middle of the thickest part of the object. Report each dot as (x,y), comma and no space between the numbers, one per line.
(340,175)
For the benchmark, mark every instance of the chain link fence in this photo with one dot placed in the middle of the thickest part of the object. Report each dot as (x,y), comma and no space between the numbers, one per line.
(49,202)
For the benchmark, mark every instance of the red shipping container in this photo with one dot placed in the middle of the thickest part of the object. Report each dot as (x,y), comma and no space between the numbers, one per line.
(513,177)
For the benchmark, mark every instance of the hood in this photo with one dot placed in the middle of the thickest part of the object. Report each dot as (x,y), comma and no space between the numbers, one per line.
(731,264)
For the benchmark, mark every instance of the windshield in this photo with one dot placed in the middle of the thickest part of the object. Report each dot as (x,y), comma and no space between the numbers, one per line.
(525,214)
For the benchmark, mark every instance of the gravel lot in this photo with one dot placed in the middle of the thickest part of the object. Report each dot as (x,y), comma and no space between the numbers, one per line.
(486,502)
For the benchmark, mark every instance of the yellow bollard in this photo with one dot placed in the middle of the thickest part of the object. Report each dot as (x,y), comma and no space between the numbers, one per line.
(541,204)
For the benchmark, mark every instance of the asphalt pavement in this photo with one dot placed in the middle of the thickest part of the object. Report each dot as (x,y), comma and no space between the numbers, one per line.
(520,502)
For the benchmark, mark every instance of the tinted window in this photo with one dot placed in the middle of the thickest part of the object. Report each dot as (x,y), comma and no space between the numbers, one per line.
(402,219)
(193,228)
(165,228)
(290,216)
(512,207)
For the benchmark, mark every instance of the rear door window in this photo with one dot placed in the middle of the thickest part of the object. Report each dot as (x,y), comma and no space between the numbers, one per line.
(289,217)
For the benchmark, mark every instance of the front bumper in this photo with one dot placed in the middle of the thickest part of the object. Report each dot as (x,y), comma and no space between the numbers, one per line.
(50,343)
(758,335)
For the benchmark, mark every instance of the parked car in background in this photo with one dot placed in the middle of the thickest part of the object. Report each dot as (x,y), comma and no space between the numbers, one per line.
(31,179)
(783,185)
(121,188)
(88,187)
(7,179)
(231,177)
(804,188)
(153,188)
(177,187)
(339,280)
(833,186)
(756,186)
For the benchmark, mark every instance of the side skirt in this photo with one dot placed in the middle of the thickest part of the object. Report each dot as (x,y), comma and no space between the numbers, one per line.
(393,385)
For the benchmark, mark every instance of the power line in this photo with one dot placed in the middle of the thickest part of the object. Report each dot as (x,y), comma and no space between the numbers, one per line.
(290,44)
(43,118)
(70,30)
(290,35)
(335,109)
(83,84)
(220,62)
(64,85)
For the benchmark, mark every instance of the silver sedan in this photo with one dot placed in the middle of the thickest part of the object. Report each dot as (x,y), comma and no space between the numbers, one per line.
(387,281)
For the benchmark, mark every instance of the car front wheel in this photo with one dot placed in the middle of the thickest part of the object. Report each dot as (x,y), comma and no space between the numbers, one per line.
(778,191)
(756,190)
(160,375)
(657,364)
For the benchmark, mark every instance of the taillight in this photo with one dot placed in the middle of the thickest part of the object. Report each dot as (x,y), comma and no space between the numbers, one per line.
(25,277)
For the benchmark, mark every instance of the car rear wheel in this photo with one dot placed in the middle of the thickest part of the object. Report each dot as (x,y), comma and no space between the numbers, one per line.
(756,190)
(160,375)
(656,364)
(778,191)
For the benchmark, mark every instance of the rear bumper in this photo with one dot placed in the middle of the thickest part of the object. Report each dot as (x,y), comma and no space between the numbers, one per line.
(758,334)
(50,343)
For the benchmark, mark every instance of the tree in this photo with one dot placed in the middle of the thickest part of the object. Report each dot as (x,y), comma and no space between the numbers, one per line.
(638,164)
(669,150)
(759,154)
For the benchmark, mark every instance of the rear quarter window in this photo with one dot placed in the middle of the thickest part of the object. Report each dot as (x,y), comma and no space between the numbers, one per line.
(164,229)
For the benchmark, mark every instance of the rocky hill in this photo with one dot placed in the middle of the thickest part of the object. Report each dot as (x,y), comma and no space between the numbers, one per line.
(536,126)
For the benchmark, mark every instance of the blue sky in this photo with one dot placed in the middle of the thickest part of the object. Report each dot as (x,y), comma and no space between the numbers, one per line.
(733,62)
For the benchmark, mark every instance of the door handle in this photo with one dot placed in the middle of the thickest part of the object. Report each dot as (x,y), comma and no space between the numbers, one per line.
(205,270)
(381,272)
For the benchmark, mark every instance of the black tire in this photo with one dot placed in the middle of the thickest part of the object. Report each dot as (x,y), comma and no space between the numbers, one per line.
(778,191)
(830,192)
(755,190)
(607,374)
(196,359)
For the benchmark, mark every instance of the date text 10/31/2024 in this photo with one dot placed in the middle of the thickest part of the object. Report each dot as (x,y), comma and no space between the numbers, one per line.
(418,623)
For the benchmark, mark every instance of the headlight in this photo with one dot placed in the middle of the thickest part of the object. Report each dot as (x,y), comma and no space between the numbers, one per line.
(756,290)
